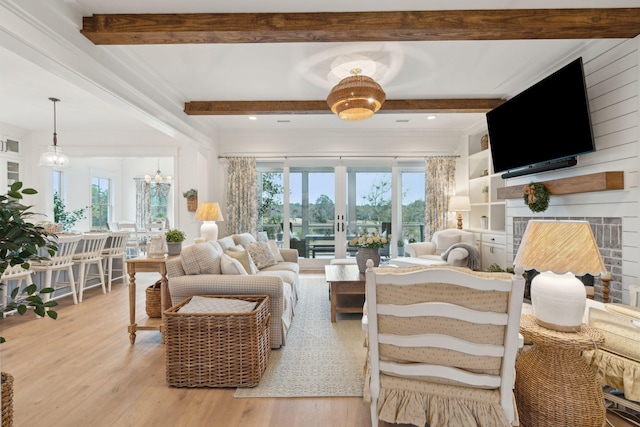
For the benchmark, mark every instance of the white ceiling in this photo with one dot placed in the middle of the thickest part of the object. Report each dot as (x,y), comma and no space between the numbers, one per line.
(133,87)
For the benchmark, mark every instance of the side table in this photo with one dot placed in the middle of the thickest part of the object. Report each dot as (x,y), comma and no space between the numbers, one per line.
(144,264)
(554,385)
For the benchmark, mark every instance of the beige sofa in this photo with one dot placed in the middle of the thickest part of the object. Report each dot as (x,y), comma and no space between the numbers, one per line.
(205,269)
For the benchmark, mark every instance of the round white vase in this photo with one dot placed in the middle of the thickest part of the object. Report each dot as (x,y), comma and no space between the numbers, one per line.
(558,301)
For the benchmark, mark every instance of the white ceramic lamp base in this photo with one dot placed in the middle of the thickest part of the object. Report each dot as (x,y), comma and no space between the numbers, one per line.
(209,230)
(558,301)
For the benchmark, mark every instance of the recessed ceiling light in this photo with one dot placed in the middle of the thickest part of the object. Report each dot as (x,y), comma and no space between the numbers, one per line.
(253,118)
(431,117)
(283,121)
(402,121)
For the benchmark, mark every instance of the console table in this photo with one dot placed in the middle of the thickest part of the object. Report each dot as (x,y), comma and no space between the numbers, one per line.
(144,265)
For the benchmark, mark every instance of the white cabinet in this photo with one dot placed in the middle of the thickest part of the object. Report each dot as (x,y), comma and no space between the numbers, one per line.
(487,212)
(10,162)
(493,250)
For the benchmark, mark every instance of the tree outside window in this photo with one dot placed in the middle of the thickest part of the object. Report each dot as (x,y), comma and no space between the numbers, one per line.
(100,206)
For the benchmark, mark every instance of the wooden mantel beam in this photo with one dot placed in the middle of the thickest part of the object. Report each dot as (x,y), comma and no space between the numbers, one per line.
(222,108)
(600,181)
(505,24)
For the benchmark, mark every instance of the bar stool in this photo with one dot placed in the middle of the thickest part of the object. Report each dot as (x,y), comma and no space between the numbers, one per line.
(117,249)
(90,254)
(60,261)
(14,274)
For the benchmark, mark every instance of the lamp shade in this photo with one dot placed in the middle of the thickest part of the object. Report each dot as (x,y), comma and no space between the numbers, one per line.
(356,97)
(209,211)
(560,247)
(559,250)
(459,204)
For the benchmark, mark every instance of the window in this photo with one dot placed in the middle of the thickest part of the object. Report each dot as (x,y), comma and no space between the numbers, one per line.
(100,206)
(58,183)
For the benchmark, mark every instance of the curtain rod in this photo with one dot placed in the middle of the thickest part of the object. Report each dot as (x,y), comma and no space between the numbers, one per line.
(338,157)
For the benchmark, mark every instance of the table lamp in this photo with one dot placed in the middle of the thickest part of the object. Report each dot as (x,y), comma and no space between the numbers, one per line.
(560,251)
(209,212)
(459,204)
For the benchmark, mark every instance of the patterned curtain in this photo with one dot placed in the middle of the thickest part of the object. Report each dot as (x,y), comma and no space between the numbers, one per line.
(242,195)
(143,203)
(440,183)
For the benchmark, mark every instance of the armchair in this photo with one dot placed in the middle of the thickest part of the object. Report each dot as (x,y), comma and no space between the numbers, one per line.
(459,247)
(616,363)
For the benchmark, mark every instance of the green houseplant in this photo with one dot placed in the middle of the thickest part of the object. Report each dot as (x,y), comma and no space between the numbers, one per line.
(20,241)
(67,218)
(192,199)
(174,241)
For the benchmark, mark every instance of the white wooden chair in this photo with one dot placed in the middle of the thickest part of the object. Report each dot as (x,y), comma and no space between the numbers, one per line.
(117,249)
(15,274)
(62,260)
(442,345)
(134,244)
(89,255)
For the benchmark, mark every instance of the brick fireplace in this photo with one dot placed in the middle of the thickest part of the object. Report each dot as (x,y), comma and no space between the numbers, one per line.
(608,234)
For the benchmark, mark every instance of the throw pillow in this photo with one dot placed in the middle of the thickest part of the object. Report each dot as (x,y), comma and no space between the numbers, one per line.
(261,254)
(445,241)
(226,242)
(199,304)
(274,249)
(231,265)
(201,258)
(244,239)
(243,258)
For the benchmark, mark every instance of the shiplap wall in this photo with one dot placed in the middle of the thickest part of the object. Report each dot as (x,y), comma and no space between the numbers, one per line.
(612,86)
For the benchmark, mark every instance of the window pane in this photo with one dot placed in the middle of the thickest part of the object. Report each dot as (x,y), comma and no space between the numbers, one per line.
(100,209)
(270,204)
(413,205)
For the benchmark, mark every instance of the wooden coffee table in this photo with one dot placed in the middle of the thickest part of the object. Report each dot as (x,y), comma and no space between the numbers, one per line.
(345,281)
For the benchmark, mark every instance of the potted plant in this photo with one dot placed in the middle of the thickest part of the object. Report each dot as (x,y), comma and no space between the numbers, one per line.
(20,242)
(174,241)
(368,245)
(400,247)
(192,199)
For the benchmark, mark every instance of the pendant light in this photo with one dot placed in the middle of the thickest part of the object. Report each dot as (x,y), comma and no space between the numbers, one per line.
(54,155)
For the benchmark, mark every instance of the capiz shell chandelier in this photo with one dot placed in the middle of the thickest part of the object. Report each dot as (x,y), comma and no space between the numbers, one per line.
(356,97)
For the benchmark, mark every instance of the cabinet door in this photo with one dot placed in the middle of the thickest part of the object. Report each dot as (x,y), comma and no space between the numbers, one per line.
(9,173)
(494,254)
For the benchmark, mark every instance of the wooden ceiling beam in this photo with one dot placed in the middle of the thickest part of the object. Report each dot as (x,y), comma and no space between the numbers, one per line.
(228,108)
(505,24)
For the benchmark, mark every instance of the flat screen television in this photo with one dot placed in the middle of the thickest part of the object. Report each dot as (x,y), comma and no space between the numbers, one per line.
(544,127)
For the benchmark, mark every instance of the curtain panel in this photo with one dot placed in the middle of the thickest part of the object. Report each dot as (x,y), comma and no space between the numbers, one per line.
(440,183)
(242,195)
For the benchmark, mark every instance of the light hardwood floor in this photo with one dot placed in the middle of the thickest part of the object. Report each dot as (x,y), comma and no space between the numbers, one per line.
(81,370)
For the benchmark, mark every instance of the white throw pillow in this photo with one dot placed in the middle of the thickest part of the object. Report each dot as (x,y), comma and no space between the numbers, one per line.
(244,258)
(445,241)
(274,249)
(201,258)
(232,266)
(261,254)
(199,304)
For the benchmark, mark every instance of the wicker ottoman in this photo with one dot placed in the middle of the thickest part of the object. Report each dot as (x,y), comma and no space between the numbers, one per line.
(217,349)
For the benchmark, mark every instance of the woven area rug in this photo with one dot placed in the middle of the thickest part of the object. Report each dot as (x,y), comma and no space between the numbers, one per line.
(320,359)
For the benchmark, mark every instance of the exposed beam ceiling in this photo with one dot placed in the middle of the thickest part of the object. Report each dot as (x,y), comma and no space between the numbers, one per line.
(222,108)
(505,24)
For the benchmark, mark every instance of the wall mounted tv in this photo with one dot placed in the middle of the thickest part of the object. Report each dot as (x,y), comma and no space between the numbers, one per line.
(544,127)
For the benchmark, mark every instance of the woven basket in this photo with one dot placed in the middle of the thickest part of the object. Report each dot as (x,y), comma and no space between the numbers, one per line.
(154,299)
(217,349)
(7,400)
(192,204)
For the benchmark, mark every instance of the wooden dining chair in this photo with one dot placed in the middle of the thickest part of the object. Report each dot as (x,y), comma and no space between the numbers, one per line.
(61,261)
(442,345)
(116,249)
(90,255)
